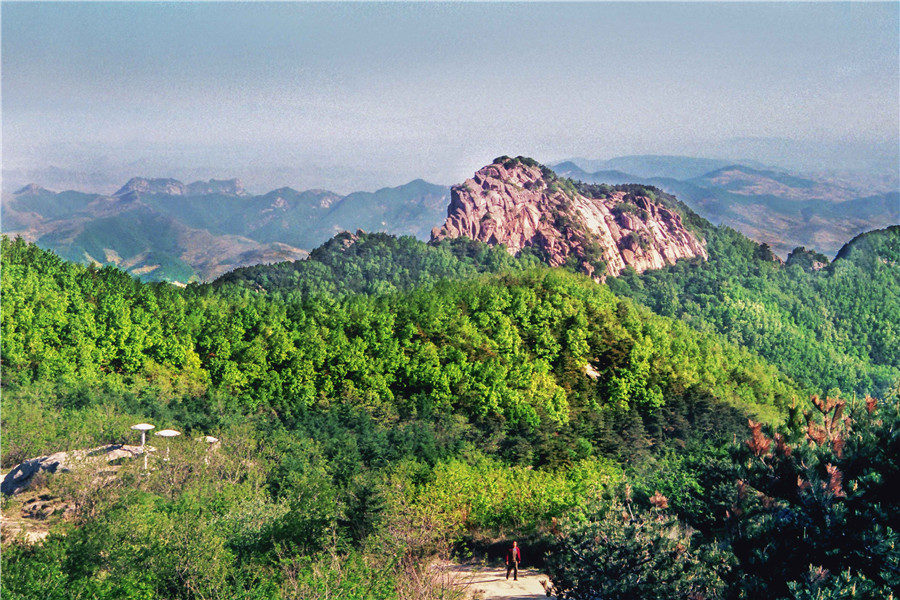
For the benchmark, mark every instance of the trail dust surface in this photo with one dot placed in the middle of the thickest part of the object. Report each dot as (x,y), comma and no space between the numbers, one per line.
(490,583)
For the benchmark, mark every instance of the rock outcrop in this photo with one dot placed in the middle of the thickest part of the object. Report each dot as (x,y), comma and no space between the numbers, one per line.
(22,475)
(809,260)
(226,187)
(140,185)
(521,204)
(173,187)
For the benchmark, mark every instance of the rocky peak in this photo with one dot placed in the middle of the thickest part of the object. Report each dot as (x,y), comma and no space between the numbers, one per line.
(326,198)
(227,187)
(604,229)
(140,185)
(347,239)
(31,189)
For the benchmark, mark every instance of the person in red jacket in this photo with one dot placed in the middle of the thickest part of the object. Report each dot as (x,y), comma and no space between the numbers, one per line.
(513,557)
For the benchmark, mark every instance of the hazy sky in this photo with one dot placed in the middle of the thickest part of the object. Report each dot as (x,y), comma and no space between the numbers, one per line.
(342,94)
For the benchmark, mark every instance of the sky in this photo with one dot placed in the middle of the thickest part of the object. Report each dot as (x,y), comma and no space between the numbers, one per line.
(359,96)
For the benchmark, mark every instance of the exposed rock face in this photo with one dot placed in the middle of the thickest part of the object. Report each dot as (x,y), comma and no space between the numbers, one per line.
(228,187)
(522,205)
(810,260)
(139,185)
(21,476)
(173,187)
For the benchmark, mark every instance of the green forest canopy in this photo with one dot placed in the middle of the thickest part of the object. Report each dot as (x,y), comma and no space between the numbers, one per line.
(821,327)
(368,422)
(833,328)
(508,351)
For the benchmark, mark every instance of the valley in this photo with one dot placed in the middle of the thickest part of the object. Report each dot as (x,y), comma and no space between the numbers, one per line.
(164,230)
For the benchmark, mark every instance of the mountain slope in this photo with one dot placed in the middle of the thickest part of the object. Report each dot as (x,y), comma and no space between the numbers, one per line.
(373,263)
(357,431)
(163,229)
(815,320)
(540,347)
(829,326)
(523,205)
(778,208)
(157,247)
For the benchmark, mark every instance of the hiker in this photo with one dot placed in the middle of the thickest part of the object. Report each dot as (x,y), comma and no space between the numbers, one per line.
(513,557)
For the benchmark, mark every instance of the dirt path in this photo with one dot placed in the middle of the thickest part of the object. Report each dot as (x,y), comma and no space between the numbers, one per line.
(33,531)
(487,583)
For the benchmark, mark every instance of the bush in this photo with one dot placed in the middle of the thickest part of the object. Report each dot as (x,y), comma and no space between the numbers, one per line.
(487,494)
(612,553)
(819,494)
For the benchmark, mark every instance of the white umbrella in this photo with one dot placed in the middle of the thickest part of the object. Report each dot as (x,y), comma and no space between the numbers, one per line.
(144,428)
(168,433)
(209,440)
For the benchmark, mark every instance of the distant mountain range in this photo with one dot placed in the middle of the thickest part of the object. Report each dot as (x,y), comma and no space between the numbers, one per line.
(781,209)
(163,229)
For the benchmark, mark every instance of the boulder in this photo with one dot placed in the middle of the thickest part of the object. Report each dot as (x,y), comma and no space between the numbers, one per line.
(22,475)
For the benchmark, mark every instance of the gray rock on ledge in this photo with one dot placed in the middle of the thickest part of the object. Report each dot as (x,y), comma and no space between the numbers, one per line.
(22,475)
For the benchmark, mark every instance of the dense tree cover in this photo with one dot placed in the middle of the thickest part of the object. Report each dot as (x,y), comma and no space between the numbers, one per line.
(509,353)
(838,327)
(335,507)
(364,434)
(821,493)
(372,263)
(805,511)
(340,507)
(820,326)
(611,552)
(355,428)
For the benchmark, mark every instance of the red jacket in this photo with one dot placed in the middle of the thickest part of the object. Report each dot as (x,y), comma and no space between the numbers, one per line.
(514,554)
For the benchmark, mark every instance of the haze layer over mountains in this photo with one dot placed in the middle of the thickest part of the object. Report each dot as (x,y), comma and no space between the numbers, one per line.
(163,229)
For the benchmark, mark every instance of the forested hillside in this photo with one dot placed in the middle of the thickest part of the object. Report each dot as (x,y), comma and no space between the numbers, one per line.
(832,327)
(510,352)
(372,263)
(817,321)
(367,428)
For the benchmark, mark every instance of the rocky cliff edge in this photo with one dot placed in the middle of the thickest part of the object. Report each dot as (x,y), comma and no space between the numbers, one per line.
(602,229)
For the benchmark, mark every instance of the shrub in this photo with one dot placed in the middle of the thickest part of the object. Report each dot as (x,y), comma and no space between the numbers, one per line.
(612,553)
(816,496)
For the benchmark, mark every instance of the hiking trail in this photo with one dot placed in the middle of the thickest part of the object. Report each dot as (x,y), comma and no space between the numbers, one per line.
(490,583)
